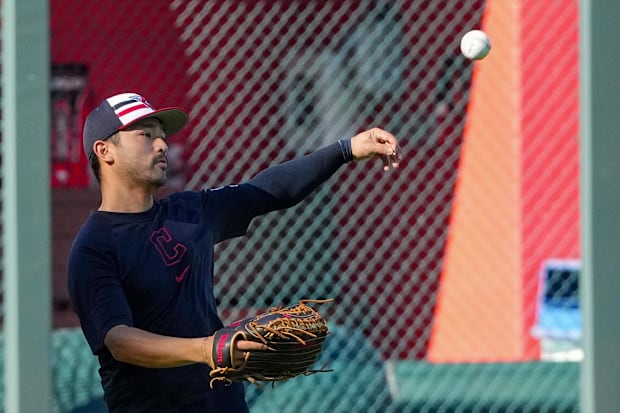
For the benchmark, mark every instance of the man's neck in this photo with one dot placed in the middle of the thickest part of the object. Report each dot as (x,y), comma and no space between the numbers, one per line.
(123,199)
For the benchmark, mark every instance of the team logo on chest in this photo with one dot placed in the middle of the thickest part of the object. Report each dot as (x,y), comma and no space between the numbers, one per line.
(170,250)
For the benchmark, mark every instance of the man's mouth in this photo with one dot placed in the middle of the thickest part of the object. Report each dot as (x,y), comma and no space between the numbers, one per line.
(162,163)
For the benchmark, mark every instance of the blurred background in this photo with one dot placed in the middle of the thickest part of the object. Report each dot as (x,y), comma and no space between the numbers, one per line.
(455,278)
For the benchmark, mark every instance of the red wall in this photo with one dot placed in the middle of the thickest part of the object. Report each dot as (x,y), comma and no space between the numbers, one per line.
(550,140)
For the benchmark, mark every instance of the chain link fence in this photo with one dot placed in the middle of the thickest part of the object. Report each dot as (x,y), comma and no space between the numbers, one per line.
(304,75)
(454,278)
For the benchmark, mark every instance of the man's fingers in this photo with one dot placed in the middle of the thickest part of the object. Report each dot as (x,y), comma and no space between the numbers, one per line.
(242,347)
(387,139)
(379,143)
(395,158)
(386,163)
(383,136)
(392,159)
(245,345)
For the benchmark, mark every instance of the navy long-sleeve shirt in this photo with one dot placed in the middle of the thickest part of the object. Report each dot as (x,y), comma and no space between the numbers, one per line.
(153,270)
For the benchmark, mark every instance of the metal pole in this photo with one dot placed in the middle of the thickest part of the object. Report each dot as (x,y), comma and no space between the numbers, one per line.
(26,205)
(600,145)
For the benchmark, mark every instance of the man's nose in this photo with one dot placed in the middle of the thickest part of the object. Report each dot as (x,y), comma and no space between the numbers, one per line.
(161,145)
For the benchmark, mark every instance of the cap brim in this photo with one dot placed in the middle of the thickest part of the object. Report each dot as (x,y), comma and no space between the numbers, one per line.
(172,119)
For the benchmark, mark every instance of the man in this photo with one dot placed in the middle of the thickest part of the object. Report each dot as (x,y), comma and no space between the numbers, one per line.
(141,271)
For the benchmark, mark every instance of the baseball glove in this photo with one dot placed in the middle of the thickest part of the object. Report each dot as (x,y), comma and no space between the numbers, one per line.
(295,336)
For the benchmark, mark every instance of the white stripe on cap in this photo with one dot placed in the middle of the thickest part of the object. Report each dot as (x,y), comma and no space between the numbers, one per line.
(129,107)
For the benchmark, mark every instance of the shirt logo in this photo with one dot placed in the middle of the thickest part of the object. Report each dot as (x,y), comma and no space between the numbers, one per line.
(170,250)
(179,278)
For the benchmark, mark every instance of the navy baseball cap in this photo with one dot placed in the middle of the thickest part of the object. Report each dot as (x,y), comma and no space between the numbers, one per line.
(121,111)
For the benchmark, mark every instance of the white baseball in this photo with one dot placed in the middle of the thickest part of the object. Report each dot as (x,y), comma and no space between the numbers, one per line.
(475,45)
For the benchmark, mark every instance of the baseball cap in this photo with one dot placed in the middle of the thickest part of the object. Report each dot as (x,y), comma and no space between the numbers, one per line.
(123,110)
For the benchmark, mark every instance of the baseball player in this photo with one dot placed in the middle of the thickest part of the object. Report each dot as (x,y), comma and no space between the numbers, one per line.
(140,271)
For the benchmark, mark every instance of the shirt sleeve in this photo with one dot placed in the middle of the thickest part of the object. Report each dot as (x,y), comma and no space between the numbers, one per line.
(96,293)
(292,181)
(277,187)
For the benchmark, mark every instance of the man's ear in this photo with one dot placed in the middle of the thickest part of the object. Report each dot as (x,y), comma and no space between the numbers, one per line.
(102,151)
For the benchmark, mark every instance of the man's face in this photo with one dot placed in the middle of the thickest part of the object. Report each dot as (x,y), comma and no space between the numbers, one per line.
(140,155)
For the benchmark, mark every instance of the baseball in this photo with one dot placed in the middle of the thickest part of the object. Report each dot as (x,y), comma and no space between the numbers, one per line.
(475,45)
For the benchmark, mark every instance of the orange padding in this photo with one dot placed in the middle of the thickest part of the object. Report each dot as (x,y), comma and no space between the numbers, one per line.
(478,313)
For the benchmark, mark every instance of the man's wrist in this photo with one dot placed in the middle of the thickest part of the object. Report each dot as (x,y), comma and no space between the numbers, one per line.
(207,351)
(347,151)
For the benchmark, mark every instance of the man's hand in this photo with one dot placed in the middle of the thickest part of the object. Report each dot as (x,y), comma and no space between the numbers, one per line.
(376,142)
(239,353)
